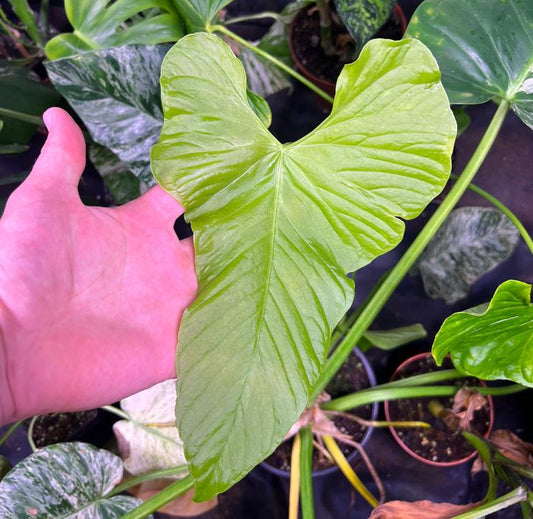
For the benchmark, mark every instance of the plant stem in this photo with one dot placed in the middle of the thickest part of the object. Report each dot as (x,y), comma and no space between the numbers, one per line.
(251,17)
(504,209)
(294,492)
(518,495)
(347,470)
(272,59)
(306,481)
(161,499)
(30,434)
(22,9)
(33,119)
(381,393)
(403,266)
(325,27)
(10,431)
(149,476)
(44,21)
(116,411)
(425,378)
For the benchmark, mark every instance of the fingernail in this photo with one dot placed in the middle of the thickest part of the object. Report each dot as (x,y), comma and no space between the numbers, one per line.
(48,118)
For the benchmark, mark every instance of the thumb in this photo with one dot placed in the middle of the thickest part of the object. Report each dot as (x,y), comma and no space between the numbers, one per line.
(62,159)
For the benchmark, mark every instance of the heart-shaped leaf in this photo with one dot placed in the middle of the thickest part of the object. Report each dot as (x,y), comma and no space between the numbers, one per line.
(100,24)
(123,84)
(484,49)
(150,440)
(277,227)
(67,480)
(471,242)
(198,14)
(495,342)
(363,18)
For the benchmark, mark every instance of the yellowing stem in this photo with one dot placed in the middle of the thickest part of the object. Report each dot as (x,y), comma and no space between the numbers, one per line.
(294,493)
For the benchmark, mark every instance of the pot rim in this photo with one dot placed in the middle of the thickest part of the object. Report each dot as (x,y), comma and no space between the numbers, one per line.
(364,441)
(414,454)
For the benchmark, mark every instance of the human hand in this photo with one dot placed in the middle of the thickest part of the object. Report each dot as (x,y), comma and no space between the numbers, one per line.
(90,298)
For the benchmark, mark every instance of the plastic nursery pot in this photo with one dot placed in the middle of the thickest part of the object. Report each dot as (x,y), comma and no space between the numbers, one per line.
(306,53)
(438,436)
(336,388)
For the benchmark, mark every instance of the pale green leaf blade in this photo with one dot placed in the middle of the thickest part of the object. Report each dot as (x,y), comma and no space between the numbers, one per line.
(150,440)
(395,337)
(67,480)
(495,344)
(278,226)
(363,18)
(471,242)
(260,107)
(198,14)
(121,83)
(484,49)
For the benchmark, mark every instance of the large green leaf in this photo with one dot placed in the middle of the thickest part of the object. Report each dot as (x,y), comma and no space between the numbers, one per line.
(363,18)
(116,94)
(278,226)
(198,14)
(67,480)
(102,24)
(495,342)
(22,91)
(150,440)
(471,242)
(484,49)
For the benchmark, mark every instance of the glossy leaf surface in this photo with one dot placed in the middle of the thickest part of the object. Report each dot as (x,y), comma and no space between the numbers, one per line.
(67,480)
(484,49)
(150,440)
(197,14)
(393,338)
(100,24)
(471,242)
(277,227)
(363,18)
(495,342)
(123,84)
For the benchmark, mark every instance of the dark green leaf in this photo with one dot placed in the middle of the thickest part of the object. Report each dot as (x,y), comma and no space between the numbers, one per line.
(462,118)
(100,24)
(260,107)
(5,466)
(67,480)
(116,94)
(471,242)
(485,452)
(123,185)
(198,14)
(278,226)
(395,337)
(495,343)
(484,49)
(11,149)
(21,91)
(13,179)
(363,18)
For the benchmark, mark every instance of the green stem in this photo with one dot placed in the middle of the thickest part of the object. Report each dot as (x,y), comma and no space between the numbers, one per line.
(306,482)
(25,14)
(30,434)
(504,209)
(33,119)
(517,495)
(403,266)
(116,411)
(44,21)
(149,476)
(325,27)
(425,378)
(161,499)
(10,431)
(380,394)
(272,59)
(251,17)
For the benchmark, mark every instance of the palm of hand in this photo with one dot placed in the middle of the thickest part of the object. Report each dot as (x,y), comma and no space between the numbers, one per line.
(92,297)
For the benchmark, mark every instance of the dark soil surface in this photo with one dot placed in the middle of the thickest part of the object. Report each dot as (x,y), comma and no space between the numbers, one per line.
(439,443)
(308,50)
(350,378)
(60,427)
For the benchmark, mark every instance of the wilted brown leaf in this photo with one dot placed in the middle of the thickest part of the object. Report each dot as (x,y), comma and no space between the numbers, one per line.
(182,506)
(419,510)
(465,404)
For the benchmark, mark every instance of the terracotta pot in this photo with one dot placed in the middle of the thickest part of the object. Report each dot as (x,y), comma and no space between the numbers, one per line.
(326,85)
(413,454)
(354,455)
